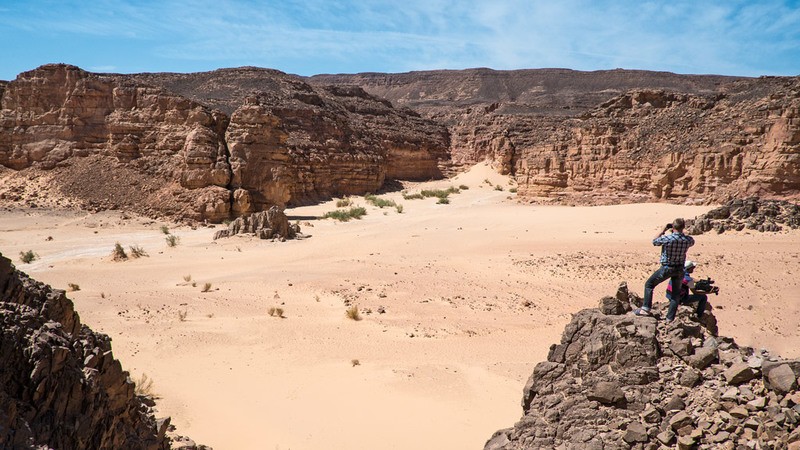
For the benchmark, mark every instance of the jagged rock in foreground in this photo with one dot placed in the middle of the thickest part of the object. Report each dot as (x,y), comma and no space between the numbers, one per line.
(751,213)
(272,224)
(60,385)
(619,381)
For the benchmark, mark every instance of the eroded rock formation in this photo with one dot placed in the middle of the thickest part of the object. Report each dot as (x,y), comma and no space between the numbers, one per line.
(618,381)
(272,224)
(60,385)
(112,141)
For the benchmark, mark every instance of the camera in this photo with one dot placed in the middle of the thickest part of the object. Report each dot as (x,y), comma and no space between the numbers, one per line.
(707,285)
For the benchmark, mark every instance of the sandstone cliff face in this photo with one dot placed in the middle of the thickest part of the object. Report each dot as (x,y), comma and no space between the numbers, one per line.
(112,141)
(611,136)
(60,385)
(57,113)
(619,381)
(298,145)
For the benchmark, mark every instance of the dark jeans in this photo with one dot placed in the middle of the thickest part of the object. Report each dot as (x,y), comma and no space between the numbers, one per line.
(701,299)
(673,272)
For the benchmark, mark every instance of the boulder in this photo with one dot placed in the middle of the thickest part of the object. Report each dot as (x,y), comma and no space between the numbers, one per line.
(782,379)
(739,373)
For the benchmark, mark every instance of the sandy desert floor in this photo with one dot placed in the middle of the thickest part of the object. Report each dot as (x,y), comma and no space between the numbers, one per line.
(473,292)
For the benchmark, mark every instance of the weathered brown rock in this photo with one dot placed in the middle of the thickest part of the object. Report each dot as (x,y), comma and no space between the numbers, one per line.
(272,224)
(751,213)
(591,394)
(782,378)
(60,385)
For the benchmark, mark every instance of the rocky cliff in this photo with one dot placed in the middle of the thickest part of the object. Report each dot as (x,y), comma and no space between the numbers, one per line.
(612,136)
(60,385)
(618,381)
(113,141)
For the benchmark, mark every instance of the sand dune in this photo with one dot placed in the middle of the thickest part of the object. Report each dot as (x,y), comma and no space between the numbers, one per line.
(474,293)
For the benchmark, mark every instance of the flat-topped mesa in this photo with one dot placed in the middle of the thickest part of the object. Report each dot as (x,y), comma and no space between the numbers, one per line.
(619,381)
(60,385)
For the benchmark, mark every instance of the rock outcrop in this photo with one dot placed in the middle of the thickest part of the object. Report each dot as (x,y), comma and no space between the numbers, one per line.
(112,141)
(60,385)
(612,136)
(619,381)
(751,213)
(272,224)
(172,149)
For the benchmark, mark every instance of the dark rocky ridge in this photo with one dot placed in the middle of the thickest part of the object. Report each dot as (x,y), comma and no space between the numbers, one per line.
(619,381)
(60,385)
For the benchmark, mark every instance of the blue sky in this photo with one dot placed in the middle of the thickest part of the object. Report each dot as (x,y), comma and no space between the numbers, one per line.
(729,37)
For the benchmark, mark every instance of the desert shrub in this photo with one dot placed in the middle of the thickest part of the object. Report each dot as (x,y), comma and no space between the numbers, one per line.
(28,257)
(194,283)
(118,254)
(206,287)
(172,240)
(353,313)
(144,386)
(187,278)
(271,311)
(341,203)
(463,187)
(73,287)
(164,229)
(343,215)
(443,201)
(137,252)
(416,196)
(498,188)
(182,315)
(513,190)
(379,202)
(355,362)
(279,312)
(399,208)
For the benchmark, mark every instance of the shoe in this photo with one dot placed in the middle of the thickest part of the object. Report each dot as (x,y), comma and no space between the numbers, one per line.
(642,312)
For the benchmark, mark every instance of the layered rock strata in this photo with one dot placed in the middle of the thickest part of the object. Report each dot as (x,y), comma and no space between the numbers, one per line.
(619,381)
(57,113)
(111,141)
(751,213)
(60,385)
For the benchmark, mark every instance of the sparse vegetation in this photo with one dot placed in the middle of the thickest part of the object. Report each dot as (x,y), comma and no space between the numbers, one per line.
(118,254)
(353,313)
(443,201)
(355,362)
(194,284)
(144,386)
(28,257)
(187,278)
(182,315)
(206,287)
(498,188)
(463,187)
(513,190)
(379,202)
(399,209)
(73,287)
(343,202)
(275,312)
(416,196)
(172,240)
(343,215)
(164,229)
(137,251)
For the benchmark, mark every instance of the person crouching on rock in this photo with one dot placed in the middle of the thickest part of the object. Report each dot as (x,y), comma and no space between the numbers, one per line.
(674,246)
(684,297)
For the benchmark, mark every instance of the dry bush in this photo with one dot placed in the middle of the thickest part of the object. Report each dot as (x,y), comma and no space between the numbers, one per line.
(182,315)
(164,229)
(137,251)
(353,313)
(144,387)
(355,362)
(73,287)
(118,254)
(206,287)
(187,278)
(271,312)
(172,240)
(28,257)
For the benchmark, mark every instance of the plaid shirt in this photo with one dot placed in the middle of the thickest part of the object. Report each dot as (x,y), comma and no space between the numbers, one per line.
(673,248)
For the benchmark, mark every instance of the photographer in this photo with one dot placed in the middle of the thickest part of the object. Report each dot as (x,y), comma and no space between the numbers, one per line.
(698,293)
(674,246)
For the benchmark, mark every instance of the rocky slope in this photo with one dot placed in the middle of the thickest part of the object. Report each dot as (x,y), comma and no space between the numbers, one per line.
(618,381)
(60,385)
(606,137)
(112,141)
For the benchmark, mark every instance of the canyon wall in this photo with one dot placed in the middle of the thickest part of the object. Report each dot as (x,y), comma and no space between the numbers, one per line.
(112,141)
